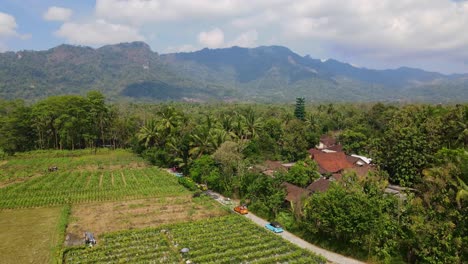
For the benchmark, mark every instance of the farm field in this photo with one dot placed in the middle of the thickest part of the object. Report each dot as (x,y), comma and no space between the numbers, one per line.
(86,186)
(106,191)
(113,216)
(24,166)
(228,239)
(28,235)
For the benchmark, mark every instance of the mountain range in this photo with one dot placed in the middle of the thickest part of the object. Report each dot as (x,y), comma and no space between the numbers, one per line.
(132,71)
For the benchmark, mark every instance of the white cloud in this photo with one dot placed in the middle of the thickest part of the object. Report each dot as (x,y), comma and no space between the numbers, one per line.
(55,13)
(211,39)
(386,26)
(263,19)
(7,25)
(139,11)
(98,32)
(182,48)
(157,10)
(247,39)
(8,30)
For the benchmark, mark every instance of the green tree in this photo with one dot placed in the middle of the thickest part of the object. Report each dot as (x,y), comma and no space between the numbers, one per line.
(299,112)
(15,127)
(294,143)
(353,142)
(437,218)
(302,173)
(346,213)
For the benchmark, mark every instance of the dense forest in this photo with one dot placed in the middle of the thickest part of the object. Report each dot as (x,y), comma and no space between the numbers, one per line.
(423,147)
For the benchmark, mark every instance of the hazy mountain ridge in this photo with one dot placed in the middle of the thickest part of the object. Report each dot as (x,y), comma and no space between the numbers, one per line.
(266,73)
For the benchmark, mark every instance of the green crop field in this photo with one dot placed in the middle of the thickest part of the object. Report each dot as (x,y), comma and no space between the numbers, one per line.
(228,239)
(24,166)
(76,187)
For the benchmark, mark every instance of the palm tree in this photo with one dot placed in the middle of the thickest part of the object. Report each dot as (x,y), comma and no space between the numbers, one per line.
(149,133)
(226,122)
(170,119)
(217,137)
(201,142)
(238,128)
(253,124)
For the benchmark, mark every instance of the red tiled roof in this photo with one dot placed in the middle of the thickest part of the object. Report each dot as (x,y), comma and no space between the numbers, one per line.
(331,162)
(320,185)
(313,151)
(294,193)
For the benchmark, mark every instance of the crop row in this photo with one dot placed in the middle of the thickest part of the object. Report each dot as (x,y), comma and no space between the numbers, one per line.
(228,239)
(37,163)
(77,187)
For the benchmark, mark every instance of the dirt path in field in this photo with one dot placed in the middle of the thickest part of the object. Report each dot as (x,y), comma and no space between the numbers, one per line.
(100,218)
(18,180)
(123,179)
(329,255)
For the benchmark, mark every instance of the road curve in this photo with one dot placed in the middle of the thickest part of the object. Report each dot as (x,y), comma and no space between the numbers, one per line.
(329,255)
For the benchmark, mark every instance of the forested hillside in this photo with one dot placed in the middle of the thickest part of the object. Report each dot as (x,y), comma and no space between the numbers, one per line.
(423,147)
(131,71)
(119,71)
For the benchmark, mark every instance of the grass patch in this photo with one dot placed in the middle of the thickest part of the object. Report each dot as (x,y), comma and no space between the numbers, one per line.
(27,236)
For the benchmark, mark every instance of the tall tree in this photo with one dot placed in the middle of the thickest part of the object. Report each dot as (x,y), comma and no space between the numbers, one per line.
(299,112)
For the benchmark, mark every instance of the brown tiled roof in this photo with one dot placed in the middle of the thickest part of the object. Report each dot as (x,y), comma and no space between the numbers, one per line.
(361,171)
(331,162)
(352,159)
(337,148)
(337,176)
(294,193)
(328,140)
(320,185)
(274,165)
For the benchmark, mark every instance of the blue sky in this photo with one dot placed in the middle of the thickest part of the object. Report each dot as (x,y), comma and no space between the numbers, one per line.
(428,34)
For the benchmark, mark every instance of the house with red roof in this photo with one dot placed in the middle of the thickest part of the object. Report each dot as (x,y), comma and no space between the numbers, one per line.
(330,162)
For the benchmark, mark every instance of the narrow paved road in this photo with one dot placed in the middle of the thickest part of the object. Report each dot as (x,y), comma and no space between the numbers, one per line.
(329,255)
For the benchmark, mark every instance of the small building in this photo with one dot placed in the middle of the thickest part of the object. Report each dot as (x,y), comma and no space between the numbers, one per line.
(398,191)
(362,159)
(270,167)
(331,162)
(326,141)
(320,185)
(294,193)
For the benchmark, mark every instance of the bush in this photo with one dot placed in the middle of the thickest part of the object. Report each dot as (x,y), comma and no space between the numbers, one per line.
(188,183)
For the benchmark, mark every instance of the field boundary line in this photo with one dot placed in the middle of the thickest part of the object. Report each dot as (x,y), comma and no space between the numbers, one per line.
(123,178)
